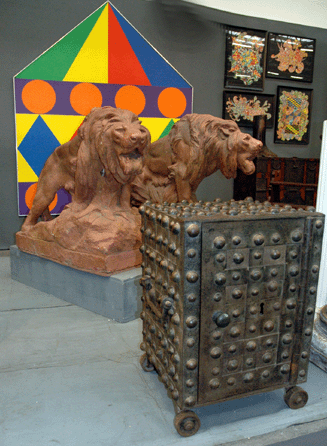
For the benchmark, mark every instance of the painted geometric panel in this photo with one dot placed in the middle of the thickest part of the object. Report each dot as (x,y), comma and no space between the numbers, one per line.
(102,61)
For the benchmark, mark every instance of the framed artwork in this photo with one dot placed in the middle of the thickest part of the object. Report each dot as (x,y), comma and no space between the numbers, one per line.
(290,57)
(245,58)
(241,107)
(293,115)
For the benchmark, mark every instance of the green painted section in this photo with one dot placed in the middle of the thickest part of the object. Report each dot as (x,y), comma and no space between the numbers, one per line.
(56,61)
(167,129)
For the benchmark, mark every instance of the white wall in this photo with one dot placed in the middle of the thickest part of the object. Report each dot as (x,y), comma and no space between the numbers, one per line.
(302,12)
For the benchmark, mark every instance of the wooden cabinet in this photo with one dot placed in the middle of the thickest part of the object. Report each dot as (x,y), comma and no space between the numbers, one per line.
(280,180)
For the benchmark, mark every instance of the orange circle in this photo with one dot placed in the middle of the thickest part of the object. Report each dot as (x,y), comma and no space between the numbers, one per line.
(30,194)
(130,98)
(38,96)
(171,102)
(84,97)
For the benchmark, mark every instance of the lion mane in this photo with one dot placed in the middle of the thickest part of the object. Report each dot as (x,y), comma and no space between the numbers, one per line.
(197,146)
(109,143)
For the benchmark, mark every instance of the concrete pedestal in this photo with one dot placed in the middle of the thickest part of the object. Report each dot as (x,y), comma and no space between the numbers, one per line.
(318,354)
(117,297)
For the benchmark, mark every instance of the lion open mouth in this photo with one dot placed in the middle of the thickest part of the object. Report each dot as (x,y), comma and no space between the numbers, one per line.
(131,162)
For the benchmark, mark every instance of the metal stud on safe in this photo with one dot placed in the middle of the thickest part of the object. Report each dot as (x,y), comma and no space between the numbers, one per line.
(229,295)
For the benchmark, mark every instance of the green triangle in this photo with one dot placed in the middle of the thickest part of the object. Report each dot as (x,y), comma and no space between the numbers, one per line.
(167,129)
(56,61)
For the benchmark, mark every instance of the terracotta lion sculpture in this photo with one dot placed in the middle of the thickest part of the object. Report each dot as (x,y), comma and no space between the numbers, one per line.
(106,154)
(197,146)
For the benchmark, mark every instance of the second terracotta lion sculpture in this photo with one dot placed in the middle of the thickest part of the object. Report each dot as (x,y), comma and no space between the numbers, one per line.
(197,146)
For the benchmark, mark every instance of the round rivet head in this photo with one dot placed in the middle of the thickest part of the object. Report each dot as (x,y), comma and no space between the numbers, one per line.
(249,362)
(165,221)
(248,378)
(256,274)
(236,240)
(191,253)
(175,319)
(191,322)
(232,365)
(285,354)
(275,238)
(238,258)
(267,357)
(220,279)
(221,319)
(236,276)
(294,271)
(191,364)
(217,297)
(302,373)
(308,331)
(176,276)
(265,374)
(276,306)
(214,383)
(291,304)
(235,332)
(190,401)
(237,293)
(288,323)
(310,311)
(304,355)
(191,297)
(258,239)
(251,346)
(287,339)
(176,228)
(190,342)
(219,242)
(252,328)
(285,369)
(272,286)
(231,381)
(319,224)
(220,258)
(315,269)
(216,335)
(312,290)
(216,352)
(269,326)
(232,348)
(254,291)
(296,235)
(236,313)
(175,394)
(215,371)
(190,383)
(275,254)
(257,255)
(192,276)
(253,309)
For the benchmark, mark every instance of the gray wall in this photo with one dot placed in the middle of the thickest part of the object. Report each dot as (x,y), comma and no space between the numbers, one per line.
(190,37)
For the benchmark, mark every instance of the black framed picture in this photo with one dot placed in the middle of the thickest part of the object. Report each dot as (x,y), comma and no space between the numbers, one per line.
(293,115)
(242,106)
(290,57)
(245,58)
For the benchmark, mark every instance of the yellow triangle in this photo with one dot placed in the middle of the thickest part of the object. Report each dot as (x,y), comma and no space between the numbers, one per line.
(23,124)
(25,173)
(63,127)
(155,126)
(91,63)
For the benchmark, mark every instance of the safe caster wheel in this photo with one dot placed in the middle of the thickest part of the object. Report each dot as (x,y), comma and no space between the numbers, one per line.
(296,397)
(187,423)
(146,364)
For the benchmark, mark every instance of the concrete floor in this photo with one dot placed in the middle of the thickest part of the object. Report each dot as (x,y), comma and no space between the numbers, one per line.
(71,377)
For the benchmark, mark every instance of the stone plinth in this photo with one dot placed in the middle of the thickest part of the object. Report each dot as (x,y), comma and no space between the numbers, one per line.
(117,297)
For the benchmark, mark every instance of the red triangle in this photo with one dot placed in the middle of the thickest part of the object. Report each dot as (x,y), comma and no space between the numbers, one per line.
(124,67)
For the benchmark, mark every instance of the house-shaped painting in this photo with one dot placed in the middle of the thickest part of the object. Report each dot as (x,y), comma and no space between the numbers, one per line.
(103,61)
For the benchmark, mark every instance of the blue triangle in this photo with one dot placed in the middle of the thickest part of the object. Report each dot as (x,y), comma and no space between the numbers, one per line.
(38,145)
(157,69)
